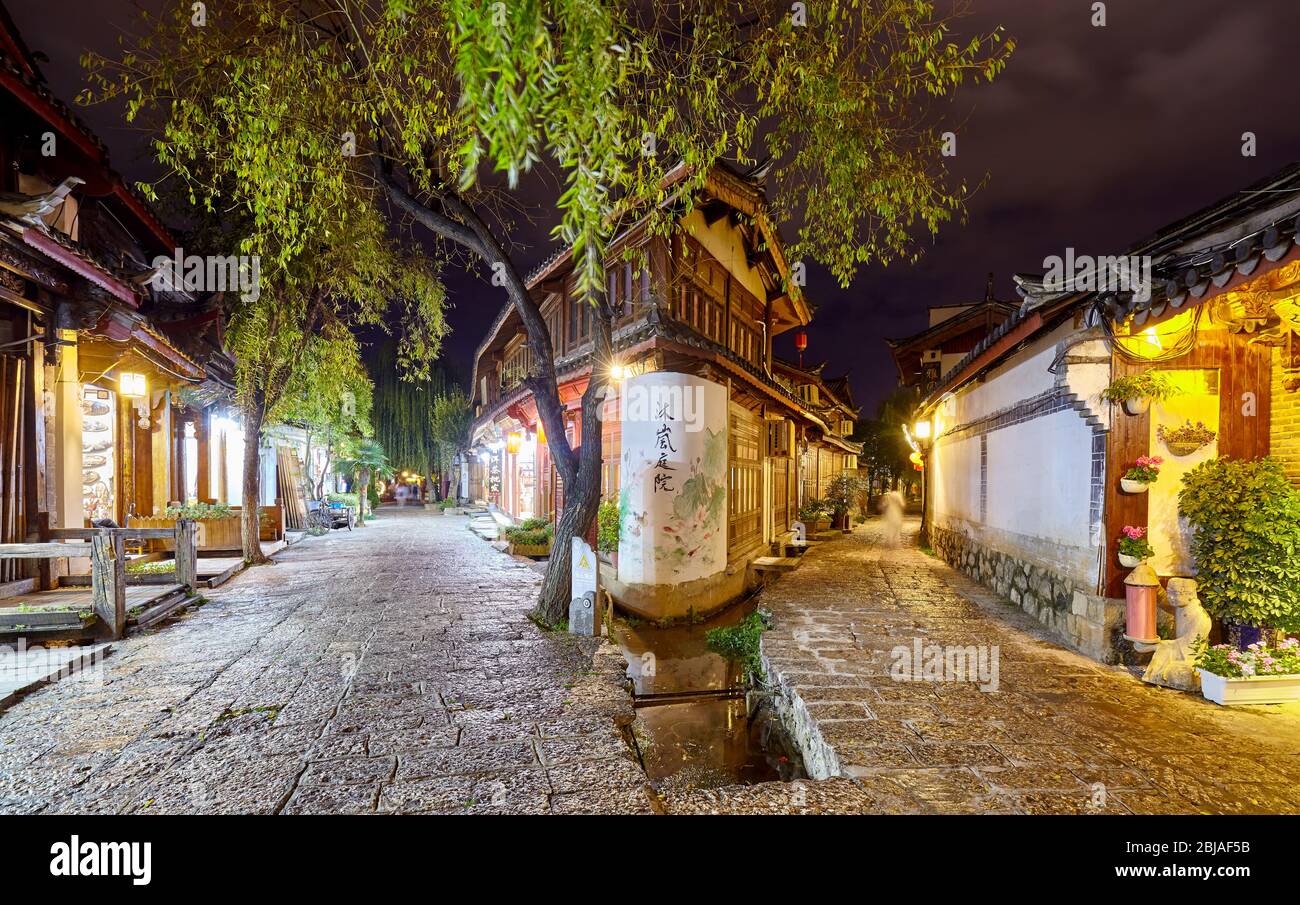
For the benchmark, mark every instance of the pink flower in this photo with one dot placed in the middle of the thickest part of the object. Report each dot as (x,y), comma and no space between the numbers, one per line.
(1134,533)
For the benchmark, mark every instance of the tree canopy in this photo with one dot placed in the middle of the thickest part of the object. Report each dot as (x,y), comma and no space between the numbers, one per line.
(326,115)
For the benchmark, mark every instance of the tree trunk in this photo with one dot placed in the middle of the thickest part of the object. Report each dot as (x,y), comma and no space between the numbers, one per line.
(250,528)
(363,494)
(325,466)
(582,494)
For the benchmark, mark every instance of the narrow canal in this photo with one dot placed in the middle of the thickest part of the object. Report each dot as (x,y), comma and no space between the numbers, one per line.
(696,726)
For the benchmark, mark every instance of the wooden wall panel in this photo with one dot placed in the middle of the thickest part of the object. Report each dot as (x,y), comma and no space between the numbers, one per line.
(1243,369)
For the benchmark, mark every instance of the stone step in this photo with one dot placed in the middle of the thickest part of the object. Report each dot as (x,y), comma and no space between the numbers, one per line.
(776,563)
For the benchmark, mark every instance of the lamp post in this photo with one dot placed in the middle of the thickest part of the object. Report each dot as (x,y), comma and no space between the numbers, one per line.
(922,434)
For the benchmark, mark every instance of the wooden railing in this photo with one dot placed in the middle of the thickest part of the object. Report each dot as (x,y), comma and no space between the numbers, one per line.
(107,552)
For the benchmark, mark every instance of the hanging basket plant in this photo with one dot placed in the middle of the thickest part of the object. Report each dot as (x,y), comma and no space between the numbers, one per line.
(1137,391)
(1144,473)
(1134,547)
(1186,439)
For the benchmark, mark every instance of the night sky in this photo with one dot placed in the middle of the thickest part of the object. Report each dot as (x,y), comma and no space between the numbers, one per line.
(1092,138)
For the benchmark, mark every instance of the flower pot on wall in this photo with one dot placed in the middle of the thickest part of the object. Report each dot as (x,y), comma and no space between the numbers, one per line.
(1129,562)
(1182,448)
(1253,690)
(1137,405)
(1130,486)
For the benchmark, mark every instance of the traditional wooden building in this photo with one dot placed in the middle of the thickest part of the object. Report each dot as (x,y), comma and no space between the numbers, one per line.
(1025,469)
(952,331)
(89,381)
(706,434)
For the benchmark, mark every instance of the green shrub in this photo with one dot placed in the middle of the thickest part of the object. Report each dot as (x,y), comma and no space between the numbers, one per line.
(740,643)
(814,510)
(1246,517)
(200,511)
(347,499)
(607,527)
(372,494)
(448,503)
(156,567)
(533,532)
(842,491)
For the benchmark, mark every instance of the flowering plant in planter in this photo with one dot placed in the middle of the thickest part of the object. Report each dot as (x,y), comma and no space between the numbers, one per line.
(1133,544)
(1260,674)
(1259,659)
(1187,439)
(1145,470)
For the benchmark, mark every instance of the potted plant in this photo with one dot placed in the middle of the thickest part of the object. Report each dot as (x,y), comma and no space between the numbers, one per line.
(531,537)
(1260,674)
(1186,439)
(1144,473)
(1134,547)
(1136,391)
(607,531)
(815,514)
(1245,518)
(841,493)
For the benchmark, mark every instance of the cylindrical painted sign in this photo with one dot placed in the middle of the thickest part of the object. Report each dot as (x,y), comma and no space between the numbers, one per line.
(673,479)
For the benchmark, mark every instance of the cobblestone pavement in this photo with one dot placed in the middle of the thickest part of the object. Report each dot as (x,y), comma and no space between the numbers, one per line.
(1061,734)
(388,669)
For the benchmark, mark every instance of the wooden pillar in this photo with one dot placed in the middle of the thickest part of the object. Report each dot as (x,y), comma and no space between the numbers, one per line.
(204,460)
(187,562)
(108,581)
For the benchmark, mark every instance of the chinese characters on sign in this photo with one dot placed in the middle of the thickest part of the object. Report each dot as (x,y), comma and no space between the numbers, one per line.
(663,477)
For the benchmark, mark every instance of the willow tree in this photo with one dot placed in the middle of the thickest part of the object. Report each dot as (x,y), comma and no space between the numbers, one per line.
(331,396)
(452,417)
(403,410)
(438,111)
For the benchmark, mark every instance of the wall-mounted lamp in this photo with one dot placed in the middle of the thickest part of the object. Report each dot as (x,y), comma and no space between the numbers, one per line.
(131,384)
(921,430)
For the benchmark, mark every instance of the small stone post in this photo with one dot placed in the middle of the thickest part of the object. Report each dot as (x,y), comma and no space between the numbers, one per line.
(187,563)
(108,581)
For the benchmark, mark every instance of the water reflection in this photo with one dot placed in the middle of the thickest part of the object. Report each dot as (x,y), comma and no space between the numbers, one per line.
(703,741)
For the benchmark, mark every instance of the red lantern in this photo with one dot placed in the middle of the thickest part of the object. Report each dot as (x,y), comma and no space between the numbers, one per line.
(801,343)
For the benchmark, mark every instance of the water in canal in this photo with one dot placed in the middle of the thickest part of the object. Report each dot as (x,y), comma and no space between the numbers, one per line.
(689,734)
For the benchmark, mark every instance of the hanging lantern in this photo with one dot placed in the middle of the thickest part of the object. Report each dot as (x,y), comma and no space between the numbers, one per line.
(801,341)
(513,442)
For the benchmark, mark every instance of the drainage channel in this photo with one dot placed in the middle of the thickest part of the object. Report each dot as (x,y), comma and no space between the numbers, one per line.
(696,726)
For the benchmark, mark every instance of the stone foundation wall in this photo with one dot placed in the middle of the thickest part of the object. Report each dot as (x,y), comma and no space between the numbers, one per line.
(1092,625)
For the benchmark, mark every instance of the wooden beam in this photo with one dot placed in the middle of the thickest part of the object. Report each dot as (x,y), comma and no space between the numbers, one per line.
(187,555)
(108,583)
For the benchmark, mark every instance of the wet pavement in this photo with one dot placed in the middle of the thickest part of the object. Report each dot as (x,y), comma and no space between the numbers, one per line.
(386,669)
(1060,734)
(391,669)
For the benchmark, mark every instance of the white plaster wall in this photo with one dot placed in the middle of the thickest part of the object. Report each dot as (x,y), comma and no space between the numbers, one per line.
(955,481)
(723,241)
(1039,472)
(1040,477)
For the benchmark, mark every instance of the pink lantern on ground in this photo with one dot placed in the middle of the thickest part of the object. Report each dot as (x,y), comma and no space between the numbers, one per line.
(1140,590)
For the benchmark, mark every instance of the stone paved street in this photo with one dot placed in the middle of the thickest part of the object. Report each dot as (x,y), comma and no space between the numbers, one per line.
(387,669)
(392,670)
(1057,725)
